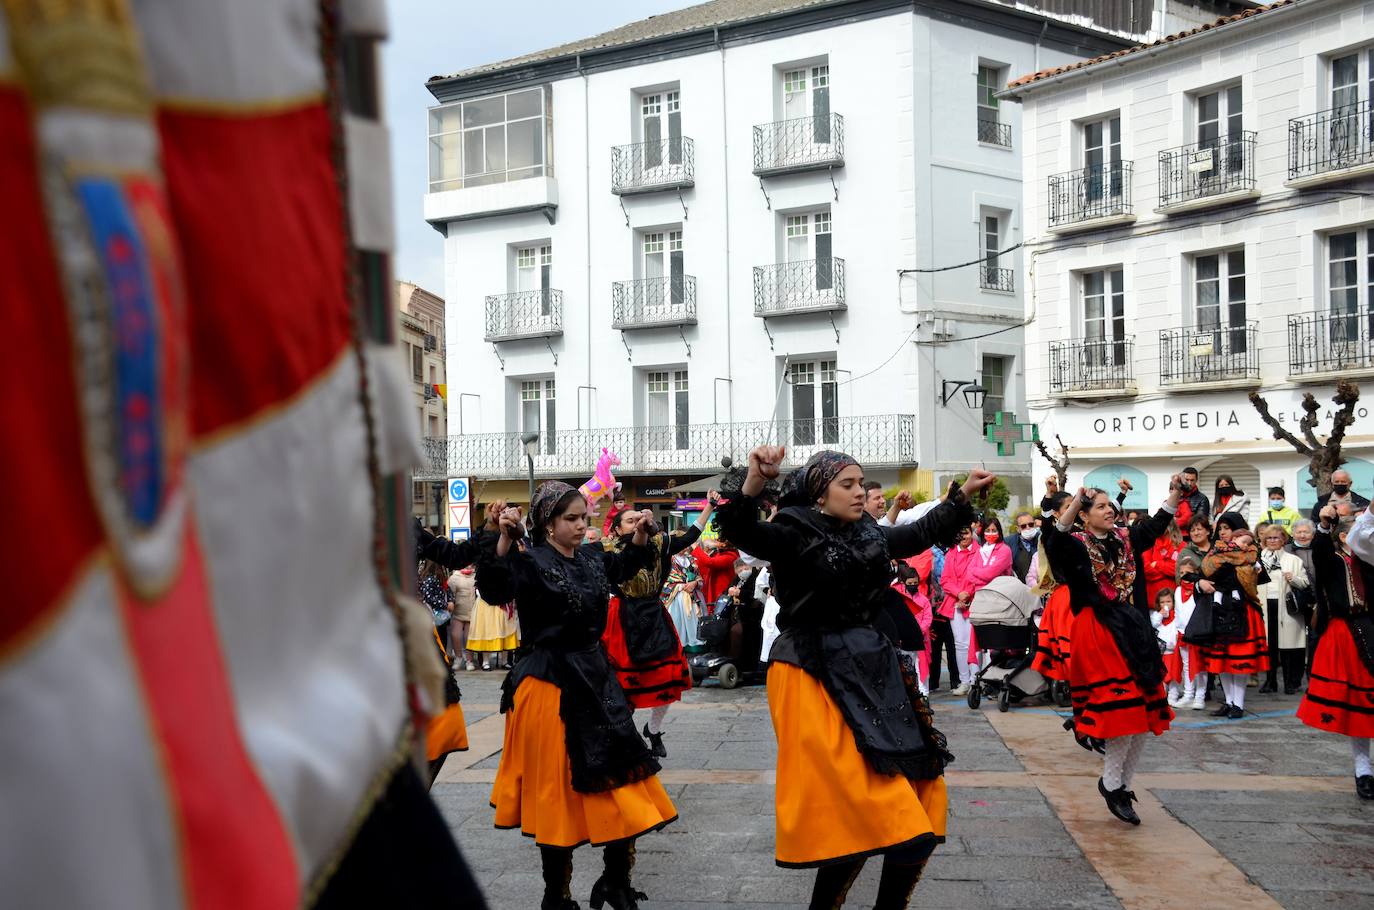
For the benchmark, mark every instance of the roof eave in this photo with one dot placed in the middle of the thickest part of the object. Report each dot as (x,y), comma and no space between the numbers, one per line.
(1147,52)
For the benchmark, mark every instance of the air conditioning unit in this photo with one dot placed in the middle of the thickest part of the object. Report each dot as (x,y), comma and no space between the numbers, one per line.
(941,328)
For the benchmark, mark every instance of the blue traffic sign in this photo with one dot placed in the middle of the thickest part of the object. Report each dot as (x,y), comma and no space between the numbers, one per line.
(458,491)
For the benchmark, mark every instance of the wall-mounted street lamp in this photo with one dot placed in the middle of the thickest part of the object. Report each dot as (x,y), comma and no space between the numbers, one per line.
(973,392)
(531,441)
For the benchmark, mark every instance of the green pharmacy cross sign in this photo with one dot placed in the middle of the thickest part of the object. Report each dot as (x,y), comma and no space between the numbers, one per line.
(1008,434)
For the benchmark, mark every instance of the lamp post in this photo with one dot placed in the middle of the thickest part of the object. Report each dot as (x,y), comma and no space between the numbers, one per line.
(973,392)
(531,441)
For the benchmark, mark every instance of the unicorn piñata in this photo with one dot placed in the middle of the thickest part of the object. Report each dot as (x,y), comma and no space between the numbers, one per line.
(603,481)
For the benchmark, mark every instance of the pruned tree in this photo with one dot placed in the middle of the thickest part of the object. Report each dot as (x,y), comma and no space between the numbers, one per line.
(1324,456)
(1060,463)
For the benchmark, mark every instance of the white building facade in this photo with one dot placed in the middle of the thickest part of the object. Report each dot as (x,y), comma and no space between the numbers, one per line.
(1200,226)
(686,238)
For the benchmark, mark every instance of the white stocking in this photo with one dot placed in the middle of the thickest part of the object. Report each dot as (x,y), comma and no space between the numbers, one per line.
(1114,762)
(1135,749)
(1200,685)
(656,715)
(1359,747)
(1238,681)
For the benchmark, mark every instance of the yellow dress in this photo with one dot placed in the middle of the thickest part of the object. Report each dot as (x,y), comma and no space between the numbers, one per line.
(492,629)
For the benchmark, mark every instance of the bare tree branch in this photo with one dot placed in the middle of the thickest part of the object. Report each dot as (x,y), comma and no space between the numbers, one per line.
(1280,432)
(1060,464)
(1347,396)
(1309,420)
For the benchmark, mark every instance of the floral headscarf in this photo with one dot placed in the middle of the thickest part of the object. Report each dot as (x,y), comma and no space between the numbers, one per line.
(821,469)
(545,500)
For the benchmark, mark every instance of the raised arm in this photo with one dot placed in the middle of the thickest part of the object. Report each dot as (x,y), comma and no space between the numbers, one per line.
(447,553)
(941,523)
(739,520)
(1146,532)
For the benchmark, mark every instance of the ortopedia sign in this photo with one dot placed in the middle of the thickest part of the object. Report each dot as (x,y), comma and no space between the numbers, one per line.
(1187,419)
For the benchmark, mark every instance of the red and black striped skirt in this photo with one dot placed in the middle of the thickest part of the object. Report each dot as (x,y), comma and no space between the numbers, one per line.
(1340,692)
(1107,700)
(1052,647)
(1249,654)
(659,682)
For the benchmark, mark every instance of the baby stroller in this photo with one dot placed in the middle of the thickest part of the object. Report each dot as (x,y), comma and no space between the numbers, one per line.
(1002,614)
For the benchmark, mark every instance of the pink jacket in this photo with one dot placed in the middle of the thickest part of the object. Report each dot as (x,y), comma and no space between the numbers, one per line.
(957,577)
(998,563)
(919,606)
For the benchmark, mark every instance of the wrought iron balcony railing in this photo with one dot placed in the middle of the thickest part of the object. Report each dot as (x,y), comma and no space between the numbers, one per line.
(1209,354)
(1090,193)
(646,167)
(431,342)
(524,314)
(1091,366)
(1331,141)
(1330,343)
(793,288)
(802,144)
(992,278)
(648,303)
(1203,169)
(882,440)
(994,133)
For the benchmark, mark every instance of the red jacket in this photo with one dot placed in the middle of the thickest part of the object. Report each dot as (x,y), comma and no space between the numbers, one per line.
(1161,563)
(717,571)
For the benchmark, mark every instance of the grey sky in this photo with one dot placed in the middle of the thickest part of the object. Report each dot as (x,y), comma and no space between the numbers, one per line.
(433,37)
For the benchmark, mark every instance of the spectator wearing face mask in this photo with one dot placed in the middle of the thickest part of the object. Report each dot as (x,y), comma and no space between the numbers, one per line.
(1194,501)
(1341,494)
(1023,545)
(1279,512)
(1229,499)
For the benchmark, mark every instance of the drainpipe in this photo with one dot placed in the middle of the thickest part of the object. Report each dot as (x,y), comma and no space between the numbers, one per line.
(587,212)
(729,323)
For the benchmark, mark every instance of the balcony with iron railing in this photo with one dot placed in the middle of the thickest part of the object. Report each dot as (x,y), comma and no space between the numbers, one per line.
(801,144)
(1207,173)
(877,441)
(1091,197)
(1331,145)
(796,288)
(648,303)
(1323,346)
(993,132)
(650,167)
(524,314)
(993,278)
(1092,369)
(1210,356)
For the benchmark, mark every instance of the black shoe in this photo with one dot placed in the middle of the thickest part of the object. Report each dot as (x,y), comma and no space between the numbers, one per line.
(1290,690)
(1269,687)
(655,743)
(1364,786)
(1223,711)
(1235,713)
(559,903)
(620,897)
(1119,802)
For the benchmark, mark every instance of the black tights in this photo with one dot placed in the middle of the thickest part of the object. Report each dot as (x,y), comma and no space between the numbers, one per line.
(894,887)
(942,638)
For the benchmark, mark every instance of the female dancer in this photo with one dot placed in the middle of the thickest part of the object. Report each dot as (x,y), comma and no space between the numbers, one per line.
(860,765)
(640,637)
(1116,675)
(1341,683)
(1239,644)
(573,769)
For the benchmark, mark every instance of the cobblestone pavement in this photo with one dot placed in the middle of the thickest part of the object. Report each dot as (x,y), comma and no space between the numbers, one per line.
(1258,813)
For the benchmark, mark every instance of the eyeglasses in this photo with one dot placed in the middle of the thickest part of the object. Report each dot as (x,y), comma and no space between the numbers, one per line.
(1024,527)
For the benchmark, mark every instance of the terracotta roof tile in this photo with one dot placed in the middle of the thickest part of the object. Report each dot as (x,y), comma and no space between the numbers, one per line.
(1030,78)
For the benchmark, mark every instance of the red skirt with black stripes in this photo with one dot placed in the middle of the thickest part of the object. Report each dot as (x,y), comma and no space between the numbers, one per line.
(1340,690)
(1250,654)
(1107,700)
(661,682)
(1052,648)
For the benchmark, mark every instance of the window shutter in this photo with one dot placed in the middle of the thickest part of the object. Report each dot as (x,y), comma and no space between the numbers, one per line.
(830,413)
(820,114)
(675,276)
(825,273)
(545,298)
(675,137)
(653,142)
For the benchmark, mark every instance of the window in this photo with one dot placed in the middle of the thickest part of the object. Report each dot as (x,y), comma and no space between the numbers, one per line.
(1219,299)
(989,81)
(1218,116)
(417,362)
(810,398)
(667,408)
(806,244)
(534,272)
(1104,317)
(1348,74)
(660,115)
(1102,158)
(994,381)
(538,413)
(433,375)
(417,490)
(992,240)
(660,257)
(489,140)
(806,93)
(433,425)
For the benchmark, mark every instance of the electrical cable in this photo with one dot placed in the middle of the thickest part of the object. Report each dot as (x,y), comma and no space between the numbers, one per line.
(963,265)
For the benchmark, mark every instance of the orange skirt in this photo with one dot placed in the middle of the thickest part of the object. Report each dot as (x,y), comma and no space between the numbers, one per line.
(831,805)
(534,792)
(1053,638)
(1249,655)
(447,732)
(1340,690)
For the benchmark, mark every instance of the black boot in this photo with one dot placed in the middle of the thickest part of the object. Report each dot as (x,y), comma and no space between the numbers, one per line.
(557,865)
(1271,683)
(833,884)
(613,887)
(655,743)
(1364,786)
(1291,660)
(1223,711)
(896,884)
(1119,802)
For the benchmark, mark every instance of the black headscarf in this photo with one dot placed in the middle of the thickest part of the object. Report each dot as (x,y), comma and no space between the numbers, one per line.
(544,503)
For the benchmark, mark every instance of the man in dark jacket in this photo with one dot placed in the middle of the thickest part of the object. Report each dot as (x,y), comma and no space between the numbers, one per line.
(1340,493)
(1023,545)
(1194,501)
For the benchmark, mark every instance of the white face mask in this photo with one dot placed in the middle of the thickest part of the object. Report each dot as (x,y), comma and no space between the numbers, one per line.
(1029,533)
